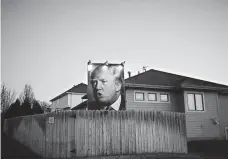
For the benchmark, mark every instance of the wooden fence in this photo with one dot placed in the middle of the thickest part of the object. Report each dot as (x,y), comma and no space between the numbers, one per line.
(98,133)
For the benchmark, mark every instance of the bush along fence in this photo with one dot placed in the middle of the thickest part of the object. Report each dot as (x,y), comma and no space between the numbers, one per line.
(81,133)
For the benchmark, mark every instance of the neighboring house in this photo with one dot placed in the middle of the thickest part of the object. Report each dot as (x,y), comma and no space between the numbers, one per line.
(70,98)
(204,103)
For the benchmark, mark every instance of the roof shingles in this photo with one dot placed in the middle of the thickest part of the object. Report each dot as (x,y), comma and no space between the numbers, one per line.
(80,88)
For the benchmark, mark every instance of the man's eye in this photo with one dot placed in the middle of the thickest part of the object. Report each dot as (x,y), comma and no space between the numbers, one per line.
(92,82)
(104,81)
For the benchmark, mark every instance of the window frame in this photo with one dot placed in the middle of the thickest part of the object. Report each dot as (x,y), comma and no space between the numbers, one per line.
(143,96)
(168,99)
(146,100)
(194,98)
(156,97)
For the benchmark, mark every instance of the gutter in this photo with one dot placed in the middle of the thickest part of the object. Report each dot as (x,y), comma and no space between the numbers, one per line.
(205,88)
(149,86)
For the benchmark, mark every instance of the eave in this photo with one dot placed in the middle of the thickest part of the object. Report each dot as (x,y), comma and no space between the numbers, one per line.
(205,88)
(132,85)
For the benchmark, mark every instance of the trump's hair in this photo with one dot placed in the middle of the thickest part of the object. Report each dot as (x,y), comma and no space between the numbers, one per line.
(113,69)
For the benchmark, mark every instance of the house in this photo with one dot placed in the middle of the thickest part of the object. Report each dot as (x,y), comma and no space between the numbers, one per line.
(69,98)
(204,103)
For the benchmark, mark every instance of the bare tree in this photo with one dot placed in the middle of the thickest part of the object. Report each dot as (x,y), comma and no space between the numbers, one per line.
(45,106)
(7,97)
(27,94)
(27,99)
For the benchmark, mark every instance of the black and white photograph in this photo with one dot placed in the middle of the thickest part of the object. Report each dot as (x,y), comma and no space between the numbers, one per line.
(106,87)
(114,79)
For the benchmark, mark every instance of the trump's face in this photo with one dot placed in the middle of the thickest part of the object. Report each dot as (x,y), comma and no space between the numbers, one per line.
(105,87)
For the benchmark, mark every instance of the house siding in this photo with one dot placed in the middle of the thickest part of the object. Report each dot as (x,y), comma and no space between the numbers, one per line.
(160,106)
(223,113)
(60,103)
(199,123)
(74,99)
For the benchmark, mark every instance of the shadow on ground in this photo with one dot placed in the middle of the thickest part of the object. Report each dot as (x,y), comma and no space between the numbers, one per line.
(214,149)
(12,149)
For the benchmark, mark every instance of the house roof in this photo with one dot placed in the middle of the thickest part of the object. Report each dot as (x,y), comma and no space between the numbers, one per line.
(84,97)
(80,88)
(82,105)
(156,79)
(160,79)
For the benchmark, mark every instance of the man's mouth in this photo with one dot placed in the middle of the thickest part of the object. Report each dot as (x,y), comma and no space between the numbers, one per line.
(99,94)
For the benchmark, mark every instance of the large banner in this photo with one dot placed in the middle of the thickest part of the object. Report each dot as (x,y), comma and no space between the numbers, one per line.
(106,89)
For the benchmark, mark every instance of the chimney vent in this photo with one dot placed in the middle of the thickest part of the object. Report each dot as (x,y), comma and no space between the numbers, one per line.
(129,74)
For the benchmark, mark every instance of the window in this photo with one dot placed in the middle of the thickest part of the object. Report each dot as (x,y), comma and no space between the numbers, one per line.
(58,109)
(164,97)
(152,97)
(195,102)
(139,96)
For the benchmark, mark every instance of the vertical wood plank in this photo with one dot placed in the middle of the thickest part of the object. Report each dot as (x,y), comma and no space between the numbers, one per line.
(133,131)
(161,132)
(157,139)
(95,133)
(147,133)
(60,139)
(104,132)
(83,136)
(138,135)
(148,130)
(69,133)
(166,133)
(56,141)
(76,130)
(113,136)
(143,132)
(178,132)
(101,134)
(93,146)
(109,126)
(66,138)
(118,141)
(152,133)
(175,133)
(126,133)
(149,126)
(130,132)
(52,134)
(121,133)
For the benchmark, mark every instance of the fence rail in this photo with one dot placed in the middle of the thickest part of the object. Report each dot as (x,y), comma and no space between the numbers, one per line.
(90,133)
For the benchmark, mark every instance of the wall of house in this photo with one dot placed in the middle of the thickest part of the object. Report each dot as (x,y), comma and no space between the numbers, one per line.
(179,97)
(60,103)
(199,124)
(172,105)
(75,99)
(223,113)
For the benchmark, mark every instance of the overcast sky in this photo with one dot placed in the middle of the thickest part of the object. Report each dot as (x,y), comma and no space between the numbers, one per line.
(47,43)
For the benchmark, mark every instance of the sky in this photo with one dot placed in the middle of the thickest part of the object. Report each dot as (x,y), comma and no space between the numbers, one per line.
(47,43)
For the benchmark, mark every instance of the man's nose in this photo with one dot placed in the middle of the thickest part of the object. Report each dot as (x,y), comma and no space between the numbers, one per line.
(98,85)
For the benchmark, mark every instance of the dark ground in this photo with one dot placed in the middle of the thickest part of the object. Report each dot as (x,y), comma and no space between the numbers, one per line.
(11,149)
